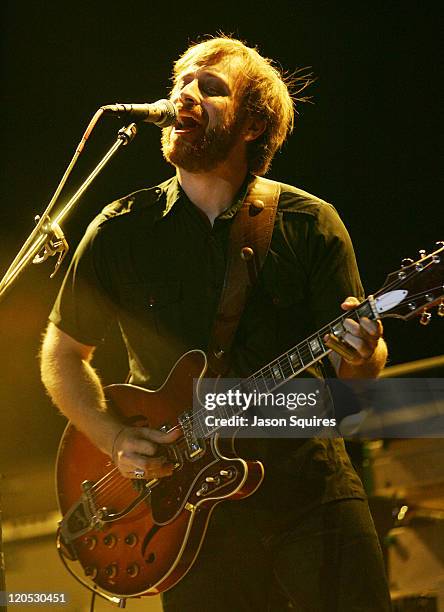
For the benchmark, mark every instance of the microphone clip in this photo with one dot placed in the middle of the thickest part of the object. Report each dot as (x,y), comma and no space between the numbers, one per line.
(55,243)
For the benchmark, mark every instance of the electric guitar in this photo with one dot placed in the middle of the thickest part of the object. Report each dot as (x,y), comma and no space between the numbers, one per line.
(125,538)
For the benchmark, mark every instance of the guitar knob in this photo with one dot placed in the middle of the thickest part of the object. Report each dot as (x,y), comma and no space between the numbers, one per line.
(441,310)
(133,570)
(425,318)
(110,540)
(91,571)
(203,489)
(90,542)
(226,473)
(213,479)
(131,539)
(111,570)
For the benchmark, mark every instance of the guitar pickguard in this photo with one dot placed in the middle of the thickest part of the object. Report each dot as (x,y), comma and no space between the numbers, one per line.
(206,477)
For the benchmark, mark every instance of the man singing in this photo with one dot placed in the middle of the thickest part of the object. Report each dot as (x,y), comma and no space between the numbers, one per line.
(155,262)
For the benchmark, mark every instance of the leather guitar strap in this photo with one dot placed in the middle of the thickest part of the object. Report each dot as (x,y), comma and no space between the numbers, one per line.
(250,239)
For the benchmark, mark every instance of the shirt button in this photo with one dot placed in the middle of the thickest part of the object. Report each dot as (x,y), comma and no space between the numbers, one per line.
(257,205)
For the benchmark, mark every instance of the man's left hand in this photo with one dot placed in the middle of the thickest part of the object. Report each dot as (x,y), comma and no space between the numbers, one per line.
(364,352)
(363,336)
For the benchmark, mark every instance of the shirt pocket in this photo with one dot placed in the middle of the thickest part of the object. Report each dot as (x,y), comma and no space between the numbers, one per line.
(287,306)
(156,304)
(285,295)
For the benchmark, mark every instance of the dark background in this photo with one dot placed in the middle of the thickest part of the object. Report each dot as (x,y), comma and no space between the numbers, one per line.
(370,144)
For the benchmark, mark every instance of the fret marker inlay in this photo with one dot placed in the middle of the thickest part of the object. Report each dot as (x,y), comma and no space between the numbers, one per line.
(315,346)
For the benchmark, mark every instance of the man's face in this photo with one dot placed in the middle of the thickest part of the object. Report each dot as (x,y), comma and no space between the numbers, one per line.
(209,116)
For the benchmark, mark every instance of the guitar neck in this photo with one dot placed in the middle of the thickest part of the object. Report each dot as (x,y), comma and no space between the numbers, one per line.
(304,354)
(285,367)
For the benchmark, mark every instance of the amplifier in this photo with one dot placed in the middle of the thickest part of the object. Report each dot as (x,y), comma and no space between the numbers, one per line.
(412,469)
(414,603)
(415,558)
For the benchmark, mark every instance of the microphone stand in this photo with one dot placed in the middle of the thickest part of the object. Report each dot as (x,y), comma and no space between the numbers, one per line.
(47,238)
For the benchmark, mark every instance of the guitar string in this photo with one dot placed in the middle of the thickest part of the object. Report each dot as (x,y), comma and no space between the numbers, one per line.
(103,483)
(114,482)
(110,485)
(296,348)
(108,482)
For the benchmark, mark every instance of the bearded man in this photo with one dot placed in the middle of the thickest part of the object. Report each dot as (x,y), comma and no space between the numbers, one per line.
(155,261)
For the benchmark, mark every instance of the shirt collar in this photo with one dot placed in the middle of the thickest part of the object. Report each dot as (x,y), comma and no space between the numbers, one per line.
(172,192)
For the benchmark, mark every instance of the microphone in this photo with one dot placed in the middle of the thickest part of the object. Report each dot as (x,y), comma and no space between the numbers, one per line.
(162,113)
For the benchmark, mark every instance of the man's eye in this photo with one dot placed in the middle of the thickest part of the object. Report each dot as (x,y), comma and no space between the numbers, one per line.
(210,90)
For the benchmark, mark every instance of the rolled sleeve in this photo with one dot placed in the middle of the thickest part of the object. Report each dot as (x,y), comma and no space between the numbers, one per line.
(333,273)
(83,308)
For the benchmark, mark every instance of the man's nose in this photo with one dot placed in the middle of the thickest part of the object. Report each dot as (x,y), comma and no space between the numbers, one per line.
(190,93)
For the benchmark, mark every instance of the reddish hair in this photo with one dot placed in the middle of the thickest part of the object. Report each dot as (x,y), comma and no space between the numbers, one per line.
(266,93)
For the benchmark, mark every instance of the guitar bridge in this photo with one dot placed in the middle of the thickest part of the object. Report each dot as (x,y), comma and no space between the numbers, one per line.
(195,447)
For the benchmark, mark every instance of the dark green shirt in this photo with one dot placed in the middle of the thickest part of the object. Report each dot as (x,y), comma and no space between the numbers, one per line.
(153,261)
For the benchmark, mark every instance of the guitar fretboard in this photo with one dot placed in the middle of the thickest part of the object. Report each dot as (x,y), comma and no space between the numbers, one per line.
(283,368)
(304,354)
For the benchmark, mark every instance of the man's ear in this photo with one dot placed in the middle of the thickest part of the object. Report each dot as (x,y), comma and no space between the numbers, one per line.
(254,127)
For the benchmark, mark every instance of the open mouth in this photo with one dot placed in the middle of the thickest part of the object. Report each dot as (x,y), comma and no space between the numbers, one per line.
(185,125)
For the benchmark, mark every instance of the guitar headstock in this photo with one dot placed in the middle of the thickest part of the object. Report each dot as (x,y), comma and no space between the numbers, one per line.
(414,289)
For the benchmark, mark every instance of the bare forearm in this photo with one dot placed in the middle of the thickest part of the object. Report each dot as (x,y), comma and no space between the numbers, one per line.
(76,390)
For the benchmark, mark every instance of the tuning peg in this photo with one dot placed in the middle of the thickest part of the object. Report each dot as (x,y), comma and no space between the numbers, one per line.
(441,310)
(425,318)
(406,262)
(422,253)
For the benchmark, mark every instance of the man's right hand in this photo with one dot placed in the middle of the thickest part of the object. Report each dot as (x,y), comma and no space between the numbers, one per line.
(139,450)
(76,389)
